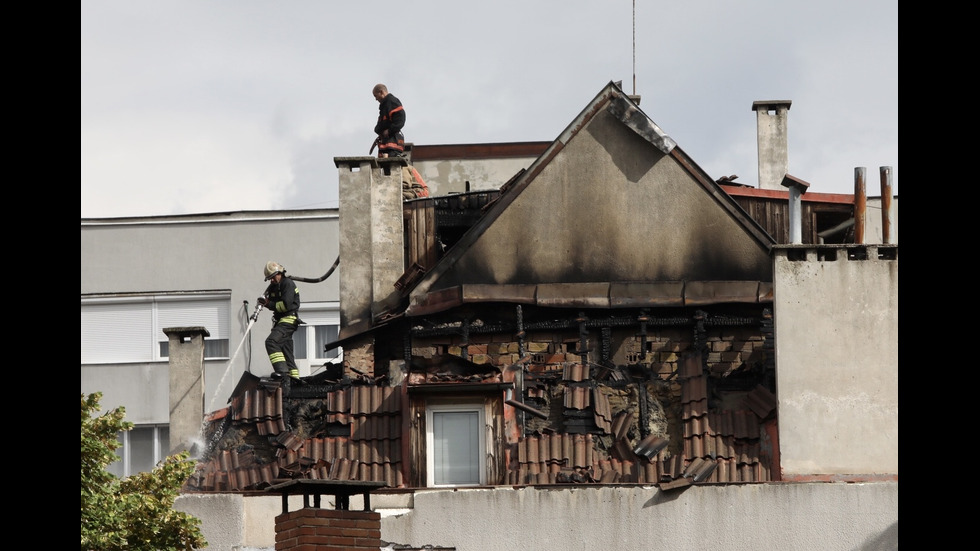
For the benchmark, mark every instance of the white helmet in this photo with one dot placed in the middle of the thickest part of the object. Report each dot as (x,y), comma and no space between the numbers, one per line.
(272,268)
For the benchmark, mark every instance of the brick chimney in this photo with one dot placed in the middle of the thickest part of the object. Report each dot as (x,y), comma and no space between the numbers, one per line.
(311,528)
(372,237)
(771,117)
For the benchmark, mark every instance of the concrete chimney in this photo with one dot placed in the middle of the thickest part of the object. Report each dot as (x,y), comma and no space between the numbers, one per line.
(372,237)
(186,353)
(771,117)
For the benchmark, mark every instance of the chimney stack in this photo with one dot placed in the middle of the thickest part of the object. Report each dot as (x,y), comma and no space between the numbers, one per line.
(771,117)
(372,237)
(186,352)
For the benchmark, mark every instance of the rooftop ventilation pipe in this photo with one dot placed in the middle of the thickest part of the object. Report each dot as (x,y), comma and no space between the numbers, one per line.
(797,188)
(886,204)
(860,205)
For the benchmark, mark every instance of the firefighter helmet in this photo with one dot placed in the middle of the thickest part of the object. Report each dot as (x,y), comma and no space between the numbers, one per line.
(272,268)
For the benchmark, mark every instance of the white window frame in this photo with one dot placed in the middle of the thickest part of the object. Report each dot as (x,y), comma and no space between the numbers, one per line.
(316,314)
(432,446)
(123,467)
(129,329)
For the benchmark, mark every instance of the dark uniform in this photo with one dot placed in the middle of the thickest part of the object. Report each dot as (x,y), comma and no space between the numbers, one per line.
(391,117)
(283,301)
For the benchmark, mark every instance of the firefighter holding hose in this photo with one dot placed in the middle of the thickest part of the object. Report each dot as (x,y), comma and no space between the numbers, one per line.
(281,297)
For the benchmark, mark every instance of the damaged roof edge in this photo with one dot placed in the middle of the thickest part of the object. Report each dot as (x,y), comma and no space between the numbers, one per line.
(596,295)
(728,202)
(635,119)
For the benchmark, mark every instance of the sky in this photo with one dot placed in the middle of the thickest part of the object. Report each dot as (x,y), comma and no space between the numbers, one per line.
(195,107)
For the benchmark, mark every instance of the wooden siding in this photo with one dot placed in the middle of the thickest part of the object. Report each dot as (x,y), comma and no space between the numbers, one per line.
(773,216)
(420,233)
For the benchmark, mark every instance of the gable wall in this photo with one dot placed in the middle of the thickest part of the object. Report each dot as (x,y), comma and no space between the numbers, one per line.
(610,207)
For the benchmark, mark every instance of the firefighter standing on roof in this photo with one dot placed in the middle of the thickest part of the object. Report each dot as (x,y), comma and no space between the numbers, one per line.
(282,298)
(391,120)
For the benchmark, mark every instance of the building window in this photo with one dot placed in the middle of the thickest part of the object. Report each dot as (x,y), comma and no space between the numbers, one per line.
(455,444)
(321,326)
(213,348)
(142,448)
(129,329)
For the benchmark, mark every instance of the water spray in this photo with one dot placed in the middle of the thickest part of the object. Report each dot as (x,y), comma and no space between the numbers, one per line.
(251,321)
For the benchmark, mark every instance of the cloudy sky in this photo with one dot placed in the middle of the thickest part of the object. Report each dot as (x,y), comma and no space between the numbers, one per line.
(227,105)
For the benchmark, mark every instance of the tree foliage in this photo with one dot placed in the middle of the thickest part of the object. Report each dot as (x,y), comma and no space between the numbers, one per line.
(134,513)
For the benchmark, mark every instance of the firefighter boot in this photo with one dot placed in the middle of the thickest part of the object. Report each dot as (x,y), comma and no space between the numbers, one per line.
(280,370)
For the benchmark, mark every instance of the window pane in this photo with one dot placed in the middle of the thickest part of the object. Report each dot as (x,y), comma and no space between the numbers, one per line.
(213,348)
(299,343)
(326,334)
(117,332)
(117,467)
(187,312)
(455,443)
(163,437)
(141,449)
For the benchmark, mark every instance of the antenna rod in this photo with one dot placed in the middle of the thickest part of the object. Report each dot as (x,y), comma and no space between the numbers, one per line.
(634,47)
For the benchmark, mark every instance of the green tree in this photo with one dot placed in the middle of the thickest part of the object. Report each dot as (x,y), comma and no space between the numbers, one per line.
(134,513)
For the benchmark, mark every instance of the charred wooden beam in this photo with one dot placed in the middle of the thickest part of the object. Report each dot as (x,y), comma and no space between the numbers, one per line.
(527,408)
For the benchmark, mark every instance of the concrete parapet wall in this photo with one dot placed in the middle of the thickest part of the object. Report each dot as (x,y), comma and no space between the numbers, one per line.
(761,517)
(837,379)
